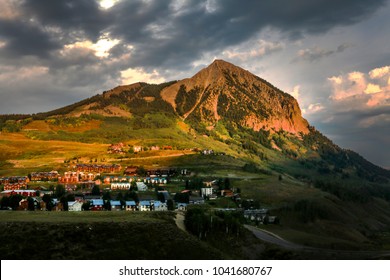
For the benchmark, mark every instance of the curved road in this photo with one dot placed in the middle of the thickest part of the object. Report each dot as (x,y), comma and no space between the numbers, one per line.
(270,237)
(274,239)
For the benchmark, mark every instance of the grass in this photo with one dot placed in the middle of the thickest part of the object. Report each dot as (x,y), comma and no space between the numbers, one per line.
(44,147)
(88,235)
(112,235)
(24,155)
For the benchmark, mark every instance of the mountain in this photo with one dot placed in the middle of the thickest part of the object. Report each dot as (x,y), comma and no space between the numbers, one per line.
(239,112)
(326,196)
(223,91)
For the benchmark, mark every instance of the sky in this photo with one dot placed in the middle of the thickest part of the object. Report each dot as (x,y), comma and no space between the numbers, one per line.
(332,55)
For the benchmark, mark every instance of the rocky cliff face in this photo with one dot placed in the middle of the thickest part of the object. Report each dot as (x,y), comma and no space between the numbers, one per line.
(223,91)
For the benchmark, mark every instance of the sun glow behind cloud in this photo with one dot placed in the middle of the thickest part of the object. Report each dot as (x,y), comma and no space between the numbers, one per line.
(101,48)
(106,4)
(134,75)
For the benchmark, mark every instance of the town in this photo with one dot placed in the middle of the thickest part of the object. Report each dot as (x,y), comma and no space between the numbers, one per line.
(111,187)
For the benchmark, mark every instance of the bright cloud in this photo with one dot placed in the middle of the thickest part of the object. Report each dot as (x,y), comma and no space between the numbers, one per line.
(101,48)
(106,4)
(361,87)
(372,88)
(134,75)
(295,92)
(378,73)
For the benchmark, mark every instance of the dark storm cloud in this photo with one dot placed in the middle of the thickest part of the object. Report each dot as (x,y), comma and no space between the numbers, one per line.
(363,131)
(23,38)
(69,15)
(166,37)
(180,37)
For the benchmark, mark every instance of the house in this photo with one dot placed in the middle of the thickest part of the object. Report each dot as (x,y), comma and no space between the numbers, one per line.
(44,176)
(206,192)
(137,149)
(115,205)
(160,206)
(181,206)
(58,206)
(15,186)
(99,168)
(196,200)
(271,220)
(131,171)
(21,192)
(207,152)
(120,186)
(131,205)
(210,183)
(14,179)
(227,193)
(69,177)
(116,148)
(42,205)
(184,172)
(23,204)
(165,194)
(145,205)
(97,204)
(167,148)
(154,148)
(256,214)
(141,186)
(75,205)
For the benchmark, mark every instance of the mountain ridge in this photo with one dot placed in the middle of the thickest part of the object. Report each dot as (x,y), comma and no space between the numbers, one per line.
(223,101)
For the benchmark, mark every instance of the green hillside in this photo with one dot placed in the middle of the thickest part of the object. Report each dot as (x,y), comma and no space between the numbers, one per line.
(325,196)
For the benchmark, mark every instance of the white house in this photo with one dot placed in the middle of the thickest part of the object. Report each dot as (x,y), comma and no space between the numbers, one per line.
(116,205)
(205,192)
(137,149)
(120,186)
(181,206)
(75,205)
(144,205)
(160,206)
(141,186)
(131,205)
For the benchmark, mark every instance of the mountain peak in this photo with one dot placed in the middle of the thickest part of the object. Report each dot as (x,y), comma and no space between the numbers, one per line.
(224,91)
(222,66)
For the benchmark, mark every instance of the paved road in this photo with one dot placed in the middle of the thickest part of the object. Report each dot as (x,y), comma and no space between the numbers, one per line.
(274,239)
(270,237)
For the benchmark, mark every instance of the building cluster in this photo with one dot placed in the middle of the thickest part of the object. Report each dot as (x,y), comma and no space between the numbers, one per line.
(14,182)
(260,216)
(90,202)
(118,148)
(99,168)
(44,176)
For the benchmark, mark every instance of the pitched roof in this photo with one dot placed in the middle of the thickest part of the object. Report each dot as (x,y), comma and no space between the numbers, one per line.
(97,202)
(130,203)
(144,203)
(115,202)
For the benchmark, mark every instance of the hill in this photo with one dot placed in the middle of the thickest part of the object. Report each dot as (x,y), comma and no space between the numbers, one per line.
(238,112)
(259,138)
